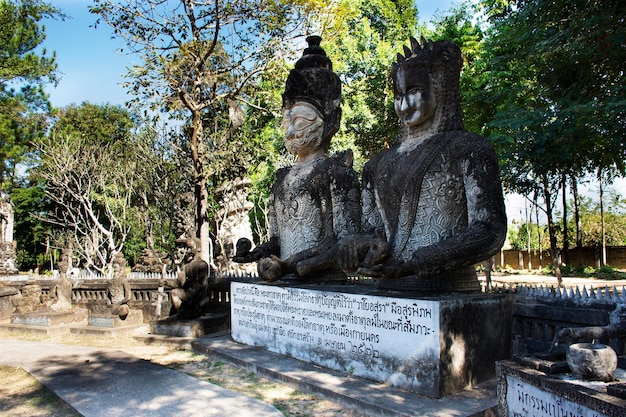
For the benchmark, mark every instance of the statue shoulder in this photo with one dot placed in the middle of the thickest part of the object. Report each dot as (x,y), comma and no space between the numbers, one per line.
(338,165)
(463,142)
(372,164)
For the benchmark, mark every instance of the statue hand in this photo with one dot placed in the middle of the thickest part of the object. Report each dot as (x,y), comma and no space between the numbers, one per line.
(391,269)
(270,269)
(374,271)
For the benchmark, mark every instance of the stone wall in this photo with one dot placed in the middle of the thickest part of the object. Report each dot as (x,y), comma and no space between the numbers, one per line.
(519,259)
(539,313)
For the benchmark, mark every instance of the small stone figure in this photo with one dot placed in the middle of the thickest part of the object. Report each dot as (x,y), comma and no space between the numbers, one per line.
(118,288)
(189,289)
(436,195)
(30,300)
(61,289)
(315,202)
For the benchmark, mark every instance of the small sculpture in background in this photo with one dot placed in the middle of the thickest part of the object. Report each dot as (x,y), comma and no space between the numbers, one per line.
(315,202)
(118,288)
(61,290)
(189,289)
(436,195)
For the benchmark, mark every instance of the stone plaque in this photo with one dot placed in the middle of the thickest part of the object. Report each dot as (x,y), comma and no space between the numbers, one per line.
(392,340)
(526,400)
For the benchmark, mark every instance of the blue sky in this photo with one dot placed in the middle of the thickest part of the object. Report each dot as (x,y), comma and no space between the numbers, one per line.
(90,68)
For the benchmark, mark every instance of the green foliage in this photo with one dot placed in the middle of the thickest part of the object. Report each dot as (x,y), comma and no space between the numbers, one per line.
(362,38)
(591,222)
(23,71)
(528,234)
(30,232)
(20,35)
(105,123)
(606,272)
(550,88)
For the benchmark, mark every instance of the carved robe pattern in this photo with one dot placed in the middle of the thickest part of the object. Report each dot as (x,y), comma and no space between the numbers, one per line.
(314,204)
(438,202)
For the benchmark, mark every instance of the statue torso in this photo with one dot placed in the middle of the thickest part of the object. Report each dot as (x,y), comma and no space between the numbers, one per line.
(419,191)
(310,205)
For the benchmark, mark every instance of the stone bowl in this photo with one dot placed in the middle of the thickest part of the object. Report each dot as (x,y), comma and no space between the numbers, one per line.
(592,361)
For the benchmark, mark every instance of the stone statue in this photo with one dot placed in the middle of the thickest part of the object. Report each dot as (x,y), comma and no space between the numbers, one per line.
(118,288)
(189,289)
(61,289)
(436,194)
(315,202)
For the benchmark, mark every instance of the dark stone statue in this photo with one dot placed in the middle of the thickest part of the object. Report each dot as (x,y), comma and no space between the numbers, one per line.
(315,202)
(189,289)
(436,194)
(118,288)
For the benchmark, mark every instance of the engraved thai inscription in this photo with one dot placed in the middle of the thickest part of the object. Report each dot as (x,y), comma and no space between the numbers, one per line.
(526,400)
(369,336)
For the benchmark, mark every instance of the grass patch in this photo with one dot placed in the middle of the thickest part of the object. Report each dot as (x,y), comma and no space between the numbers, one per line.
(23,395)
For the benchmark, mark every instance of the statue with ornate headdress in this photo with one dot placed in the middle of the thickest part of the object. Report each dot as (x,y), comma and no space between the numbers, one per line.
(315,202)
(435,195)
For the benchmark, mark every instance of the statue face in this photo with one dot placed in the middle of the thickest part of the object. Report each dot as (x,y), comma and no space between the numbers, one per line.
(414,98)
(304,128)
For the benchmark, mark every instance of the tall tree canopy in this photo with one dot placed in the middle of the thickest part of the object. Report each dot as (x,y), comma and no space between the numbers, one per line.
(23,72)
(549,91)
(198,58)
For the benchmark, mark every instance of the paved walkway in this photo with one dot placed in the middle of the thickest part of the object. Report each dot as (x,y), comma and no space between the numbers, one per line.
(110,383)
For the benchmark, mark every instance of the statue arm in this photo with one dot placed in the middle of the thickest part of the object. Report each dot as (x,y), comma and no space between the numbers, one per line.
(372,222)
(127,292)
(346,203)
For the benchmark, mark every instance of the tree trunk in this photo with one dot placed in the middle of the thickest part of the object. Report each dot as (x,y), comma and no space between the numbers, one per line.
(200,191)
(565,231)
(554,250)
(603,257)
(528,219)
(579,231)
(539,234)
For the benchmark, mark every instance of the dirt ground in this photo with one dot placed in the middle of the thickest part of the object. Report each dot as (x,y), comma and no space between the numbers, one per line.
(23,395)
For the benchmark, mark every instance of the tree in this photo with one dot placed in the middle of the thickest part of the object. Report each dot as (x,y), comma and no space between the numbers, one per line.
(31,232)
(91,186)
(22,111)
(362,38)
(105,123)
(198,57)
(549,92)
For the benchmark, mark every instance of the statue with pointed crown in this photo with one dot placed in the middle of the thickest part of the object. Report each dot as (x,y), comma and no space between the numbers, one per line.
(436,194)
(315,202)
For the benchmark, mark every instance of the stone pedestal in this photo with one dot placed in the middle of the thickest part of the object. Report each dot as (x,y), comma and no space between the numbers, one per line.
(206,324)
(434,346)
(528,391)
(76,316)
(134,318)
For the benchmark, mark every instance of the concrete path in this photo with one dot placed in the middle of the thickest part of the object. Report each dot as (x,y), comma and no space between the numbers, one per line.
(110,383)
(367,397)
